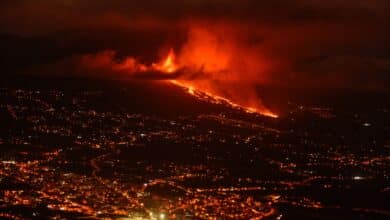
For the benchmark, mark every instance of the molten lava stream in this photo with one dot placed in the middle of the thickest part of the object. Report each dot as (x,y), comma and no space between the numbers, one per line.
(216,99)
(169,66)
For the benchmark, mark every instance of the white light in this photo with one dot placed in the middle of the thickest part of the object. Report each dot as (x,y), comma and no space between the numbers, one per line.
(162,216)
(357,178)
(366,124)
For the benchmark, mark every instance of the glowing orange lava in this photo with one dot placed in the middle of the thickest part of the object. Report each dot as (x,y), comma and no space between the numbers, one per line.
(169,65)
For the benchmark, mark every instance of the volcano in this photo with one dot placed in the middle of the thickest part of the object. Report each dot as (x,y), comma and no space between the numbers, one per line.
(198,82)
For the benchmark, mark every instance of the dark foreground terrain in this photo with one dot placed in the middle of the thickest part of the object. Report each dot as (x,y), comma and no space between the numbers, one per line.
(122,150)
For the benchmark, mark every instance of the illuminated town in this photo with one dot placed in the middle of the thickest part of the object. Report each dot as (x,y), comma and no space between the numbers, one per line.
(63,156)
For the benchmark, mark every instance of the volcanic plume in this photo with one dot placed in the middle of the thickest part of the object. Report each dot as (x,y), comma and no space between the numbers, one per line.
(208,66)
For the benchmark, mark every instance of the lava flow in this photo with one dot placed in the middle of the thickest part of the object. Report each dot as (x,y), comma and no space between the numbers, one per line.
(169,66)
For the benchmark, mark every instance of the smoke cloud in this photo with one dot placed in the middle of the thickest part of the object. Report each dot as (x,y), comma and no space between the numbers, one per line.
(296,43)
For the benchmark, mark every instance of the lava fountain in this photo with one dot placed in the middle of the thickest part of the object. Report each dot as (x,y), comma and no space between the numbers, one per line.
(204,90)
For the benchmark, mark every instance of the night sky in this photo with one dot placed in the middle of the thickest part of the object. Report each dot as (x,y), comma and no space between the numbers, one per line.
(300,43)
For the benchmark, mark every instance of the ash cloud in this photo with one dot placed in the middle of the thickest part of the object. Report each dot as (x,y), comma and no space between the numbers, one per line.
(298,43)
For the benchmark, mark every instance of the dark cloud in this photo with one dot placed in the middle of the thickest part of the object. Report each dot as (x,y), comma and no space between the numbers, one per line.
(304,42)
